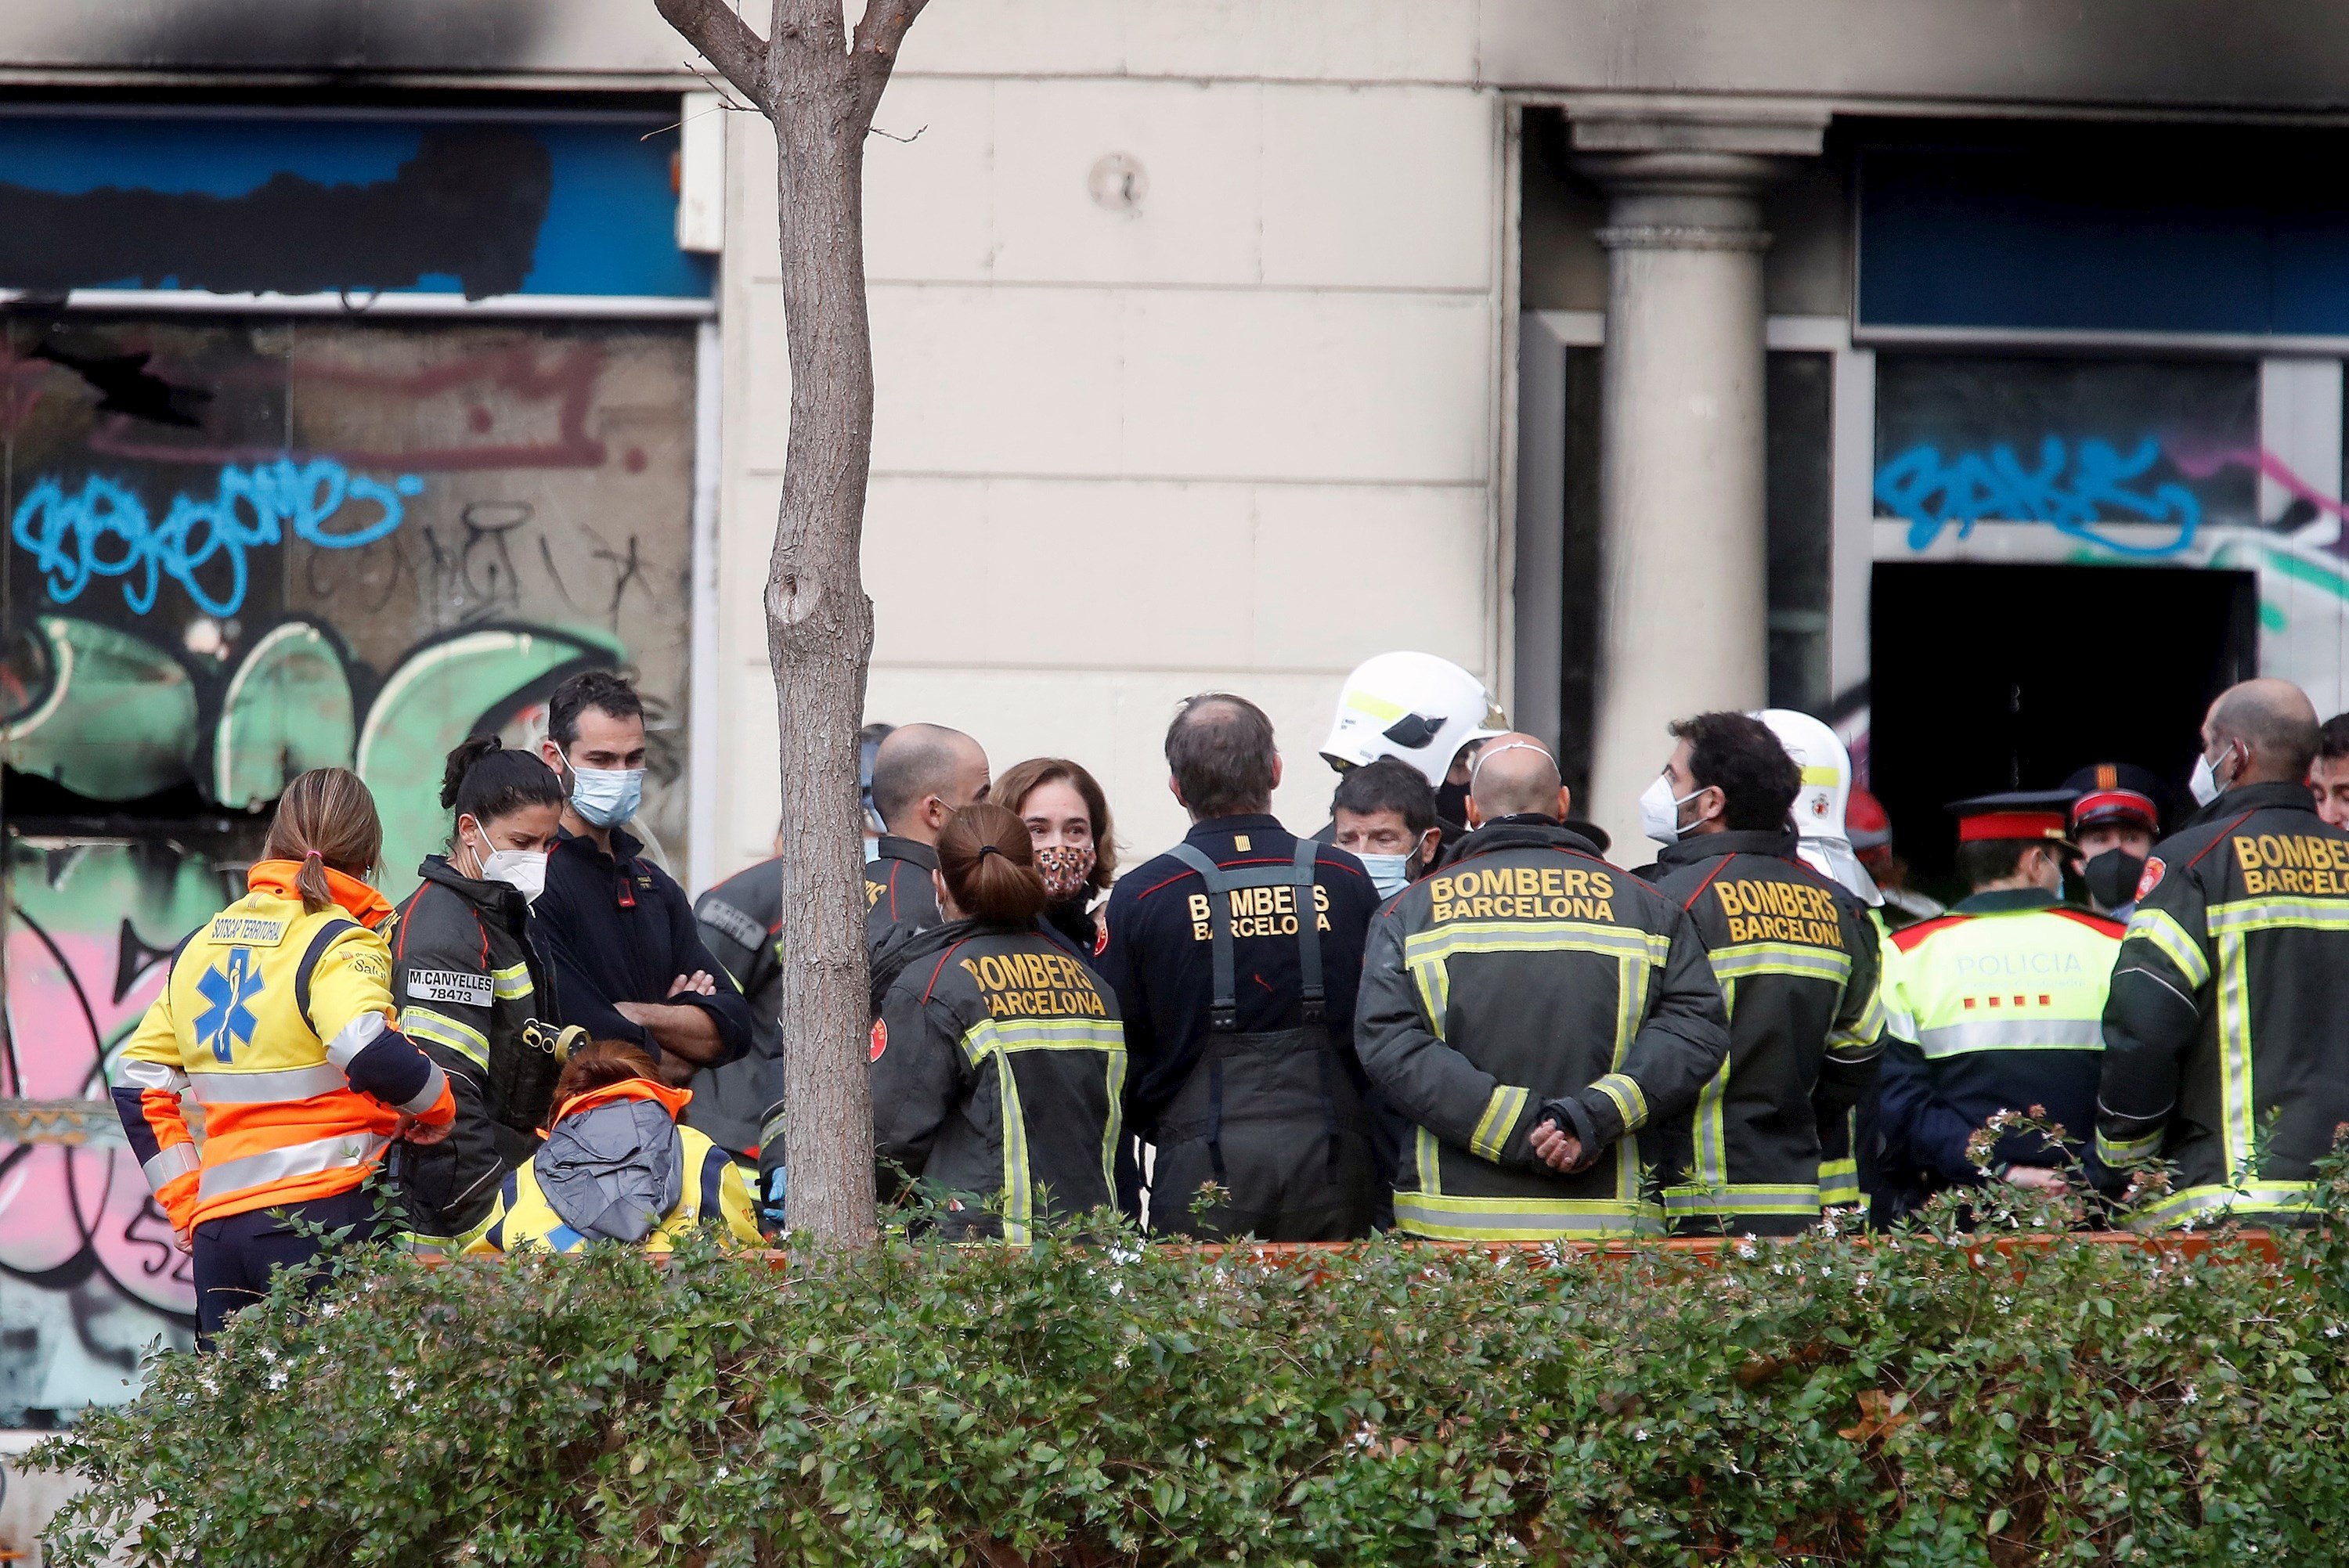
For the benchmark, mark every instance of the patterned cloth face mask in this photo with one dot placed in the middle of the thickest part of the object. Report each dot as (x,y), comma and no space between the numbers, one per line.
(1065,868)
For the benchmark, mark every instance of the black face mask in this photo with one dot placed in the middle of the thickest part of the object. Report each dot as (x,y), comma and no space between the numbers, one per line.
(2112,877)
(1451,801)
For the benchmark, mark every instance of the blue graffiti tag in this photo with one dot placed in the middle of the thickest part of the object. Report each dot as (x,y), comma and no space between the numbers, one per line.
(2071,490)
(104,530)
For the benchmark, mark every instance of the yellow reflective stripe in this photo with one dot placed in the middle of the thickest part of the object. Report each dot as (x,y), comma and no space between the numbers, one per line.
(1012,1035)
(1750,1198)
(1629,1101)
(1385,712)
(1430,1150)
(2252,1197)
(1780,958)
(2128,1151)
(1524,1219)
(448,1247)
(2234,1057)
(1631,1007)
(1861,1036)
(2279,913)
(1839,1182)
(1712,1136)
(1117,1121)
(2169,939)
(1499,1120)
(512,983)
(424,1023)
(1534,936)
(1434,983)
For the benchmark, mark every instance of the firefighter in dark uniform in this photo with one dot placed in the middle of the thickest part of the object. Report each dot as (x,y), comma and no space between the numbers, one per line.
(1538,1016)
(2227,1055)
(1994,1006)
(741,921)
(1796,959)
(472,988)
(921,774)
(999,1061)
(1236,958)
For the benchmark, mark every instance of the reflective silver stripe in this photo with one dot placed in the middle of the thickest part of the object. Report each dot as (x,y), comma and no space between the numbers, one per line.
(424,1099)
(169,1165)
(294,1160)
(2013,1035)
(262,1089)
(423,1023)
(134,1072)
(354,1037)
(511,984)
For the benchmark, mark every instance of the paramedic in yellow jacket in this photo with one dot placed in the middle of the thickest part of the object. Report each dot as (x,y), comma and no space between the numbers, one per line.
(616,1166)
(277,1018)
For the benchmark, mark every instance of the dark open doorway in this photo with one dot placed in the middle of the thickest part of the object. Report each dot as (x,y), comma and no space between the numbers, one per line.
(2010,678)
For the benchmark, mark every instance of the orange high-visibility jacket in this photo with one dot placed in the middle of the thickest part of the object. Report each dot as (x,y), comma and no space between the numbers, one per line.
(280,1022)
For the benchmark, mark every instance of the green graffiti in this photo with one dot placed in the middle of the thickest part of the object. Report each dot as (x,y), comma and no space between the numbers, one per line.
(287,710)
(438,696)
(118,719)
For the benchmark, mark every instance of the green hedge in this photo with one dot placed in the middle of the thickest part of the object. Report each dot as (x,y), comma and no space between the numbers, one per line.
(1925,1401)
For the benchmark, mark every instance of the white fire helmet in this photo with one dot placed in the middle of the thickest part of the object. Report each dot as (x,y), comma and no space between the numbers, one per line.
(1414,706)
(1818,806)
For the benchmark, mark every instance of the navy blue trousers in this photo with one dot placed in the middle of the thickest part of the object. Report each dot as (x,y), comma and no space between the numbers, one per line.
(235,1256)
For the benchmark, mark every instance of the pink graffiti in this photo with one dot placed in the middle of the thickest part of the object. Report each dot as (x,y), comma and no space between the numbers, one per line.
(57,1202)
(2202,464)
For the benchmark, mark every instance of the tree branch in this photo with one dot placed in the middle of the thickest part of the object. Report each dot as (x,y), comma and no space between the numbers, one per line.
(878,34)
(726,41)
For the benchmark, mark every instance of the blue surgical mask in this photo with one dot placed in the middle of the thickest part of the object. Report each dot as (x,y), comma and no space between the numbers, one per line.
(1389,873)
(608,797)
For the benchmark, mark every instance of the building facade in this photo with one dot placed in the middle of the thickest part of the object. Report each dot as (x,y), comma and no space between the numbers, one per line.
(1967,373)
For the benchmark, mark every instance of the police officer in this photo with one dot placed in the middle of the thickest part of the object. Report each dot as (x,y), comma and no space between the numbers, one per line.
(1795,956)
(1537,1015)
(2114,820)
(999,1060)
(1235,957)
(474,989)
(741,921)
(2227,1055)
(922,773)
(277,1018)
(1993,1007)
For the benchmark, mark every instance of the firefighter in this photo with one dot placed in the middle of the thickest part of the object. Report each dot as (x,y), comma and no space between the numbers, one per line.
(1994,1006)
(1537,1015)
(1425,712)
(277,1017)
(617,1166)
(922,774)
(1235,957)
(1795,956)
(473,987)
(741,921)
(998,1059)
(2226,1053)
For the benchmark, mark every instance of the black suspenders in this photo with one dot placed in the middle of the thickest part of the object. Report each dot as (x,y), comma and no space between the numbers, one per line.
(1223,1009)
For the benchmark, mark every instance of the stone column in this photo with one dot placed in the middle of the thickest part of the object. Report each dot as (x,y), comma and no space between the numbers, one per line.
(1682,550)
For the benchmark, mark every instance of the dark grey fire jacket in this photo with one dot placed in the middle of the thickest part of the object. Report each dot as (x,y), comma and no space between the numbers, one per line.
(2226,1025)
(1531,971)
(1796,959)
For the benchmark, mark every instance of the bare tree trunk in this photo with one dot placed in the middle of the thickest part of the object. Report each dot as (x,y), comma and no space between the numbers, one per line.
(819,86)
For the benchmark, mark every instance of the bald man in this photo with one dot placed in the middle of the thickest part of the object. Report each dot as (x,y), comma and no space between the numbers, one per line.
(922,774)
(2226,1053)
(1538,1016)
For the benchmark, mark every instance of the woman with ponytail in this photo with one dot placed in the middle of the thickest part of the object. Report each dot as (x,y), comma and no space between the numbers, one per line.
(999,1063)
(277,1017)
(472,988)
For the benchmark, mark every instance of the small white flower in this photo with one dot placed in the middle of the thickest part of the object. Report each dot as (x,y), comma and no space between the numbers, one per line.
(2333,1332)
(1641,1436)
(1746,1249)
(722,1472)
(2189,1397)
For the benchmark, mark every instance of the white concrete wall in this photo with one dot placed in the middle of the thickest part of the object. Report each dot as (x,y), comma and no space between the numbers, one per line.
(1243,435)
